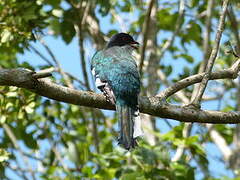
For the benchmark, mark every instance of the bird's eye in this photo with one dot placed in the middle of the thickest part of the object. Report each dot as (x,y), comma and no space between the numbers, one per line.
(124,38)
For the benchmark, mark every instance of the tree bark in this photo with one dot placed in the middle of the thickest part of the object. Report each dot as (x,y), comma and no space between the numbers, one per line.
(149,105)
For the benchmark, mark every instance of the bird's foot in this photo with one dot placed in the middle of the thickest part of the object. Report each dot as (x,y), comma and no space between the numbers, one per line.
(109,98)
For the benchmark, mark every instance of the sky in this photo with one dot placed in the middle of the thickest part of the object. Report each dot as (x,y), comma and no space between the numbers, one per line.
(68,56)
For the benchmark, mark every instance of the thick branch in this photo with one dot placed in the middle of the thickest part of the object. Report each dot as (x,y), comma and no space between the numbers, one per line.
(150,105)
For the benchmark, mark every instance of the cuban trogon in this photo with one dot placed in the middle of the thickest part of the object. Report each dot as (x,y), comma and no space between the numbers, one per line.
(116,75)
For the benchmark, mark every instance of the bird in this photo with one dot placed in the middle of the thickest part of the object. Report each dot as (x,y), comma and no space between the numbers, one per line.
(116,75)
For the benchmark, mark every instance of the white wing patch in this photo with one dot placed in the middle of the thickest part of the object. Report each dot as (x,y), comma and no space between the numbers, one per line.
(104,87)
(98,81)
(93,72)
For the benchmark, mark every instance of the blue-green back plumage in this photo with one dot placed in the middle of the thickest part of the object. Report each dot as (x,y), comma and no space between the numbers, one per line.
(117,66)
(116,74)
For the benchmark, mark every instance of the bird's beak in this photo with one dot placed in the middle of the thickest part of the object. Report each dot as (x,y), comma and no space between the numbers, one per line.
(135,44)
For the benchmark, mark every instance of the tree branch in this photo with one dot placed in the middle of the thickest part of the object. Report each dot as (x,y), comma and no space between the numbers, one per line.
(169,42)
(235,27)
(41,55)
(206,45)
(180,150)
(119,19)
(220,142)
(150,105)
(167,92)
(207,33)
(230,73)
(149,122)
(57,64)
(57,68)
(203,85)
(82,54)
(13,138)
(145,35)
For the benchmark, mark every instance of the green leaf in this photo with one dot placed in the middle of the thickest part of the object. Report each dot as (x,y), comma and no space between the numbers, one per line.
(132,176)
(147,156)
(30,107)
(54,3)
(166,19)
(67,31)
(5,36)
(4,155)
(192,140)
(190,174)
(28,140)
(3,119)
(57,12)
(187,57)
(87,171)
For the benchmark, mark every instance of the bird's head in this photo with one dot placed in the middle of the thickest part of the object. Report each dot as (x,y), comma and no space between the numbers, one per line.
(122,39)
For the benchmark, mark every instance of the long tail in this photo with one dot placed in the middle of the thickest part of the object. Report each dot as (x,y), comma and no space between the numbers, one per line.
(130,126)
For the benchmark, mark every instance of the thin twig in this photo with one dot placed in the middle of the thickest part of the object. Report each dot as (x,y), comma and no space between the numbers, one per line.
(13,138)
(95,130)
(120,20)
(49,71)
(22,175)
(235,27)
(231,73)
(206,45)
(76,79)
(82,55)
(179,94)
(57,64)
(178,25)
(41,55)
(207,33)
(16,168)
(49,52)
(59,158)
(197,99)
(145,35)
(219,141)
(180,150)
(86,12)
(79,31)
